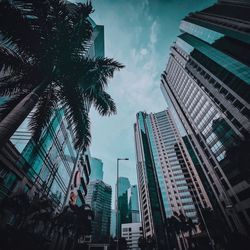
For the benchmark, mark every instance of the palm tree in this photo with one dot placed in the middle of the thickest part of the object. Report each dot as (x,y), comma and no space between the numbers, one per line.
(42,56)
(26,231)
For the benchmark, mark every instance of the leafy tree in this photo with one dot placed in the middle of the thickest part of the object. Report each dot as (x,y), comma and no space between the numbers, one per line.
(112,243)
(177,225)
(151,242)
(35,223)
(142,243)
(215,225)
(238,157)
(43,58)
(27,214)
(122,243)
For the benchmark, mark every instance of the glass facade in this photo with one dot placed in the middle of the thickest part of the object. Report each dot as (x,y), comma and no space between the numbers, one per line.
(151,203)
(123,204)
(99,198)
(230,64)
(134,216)
(49,164)
(157,162)
(96,169)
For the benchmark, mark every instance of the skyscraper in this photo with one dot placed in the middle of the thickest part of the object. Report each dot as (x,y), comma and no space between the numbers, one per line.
(99,198)
(113,223)
(96,169)
(123,211)
(124,185)
(133,205)
(207,80)
(181,188)
(151,203)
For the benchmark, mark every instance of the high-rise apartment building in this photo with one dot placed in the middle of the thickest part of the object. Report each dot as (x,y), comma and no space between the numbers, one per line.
(207,81)
(96,169)
(99,198)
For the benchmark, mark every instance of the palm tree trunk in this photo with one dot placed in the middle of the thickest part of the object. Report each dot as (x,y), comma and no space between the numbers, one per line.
(17,115)
(14,119)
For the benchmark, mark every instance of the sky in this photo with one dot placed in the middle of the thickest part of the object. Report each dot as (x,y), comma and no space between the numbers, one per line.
(139,34)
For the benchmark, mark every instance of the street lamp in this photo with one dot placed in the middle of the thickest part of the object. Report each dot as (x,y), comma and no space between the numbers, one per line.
(117,185)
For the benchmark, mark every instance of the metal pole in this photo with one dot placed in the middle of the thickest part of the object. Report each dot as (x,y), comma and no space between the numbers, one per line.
(117,223)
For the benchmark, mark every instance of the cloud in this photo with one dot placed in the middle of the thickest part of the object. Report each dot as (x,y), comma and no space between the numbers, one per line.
(154,32)
(154,29)
(144,51)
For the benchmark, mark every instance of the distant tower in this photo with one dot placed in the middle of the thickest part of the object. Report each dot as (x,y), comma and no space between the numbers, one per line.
(96,169)
(134,216)
(113,223)
(123,210)
(99,199)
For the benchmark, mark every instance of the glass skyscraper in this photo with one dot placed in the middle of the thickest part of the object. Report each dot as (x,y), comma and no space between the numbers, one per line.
(180,186)
(133,205)
(96,169)
(123,206)
(113,223)
(207,81)
(99,198)
(151,202)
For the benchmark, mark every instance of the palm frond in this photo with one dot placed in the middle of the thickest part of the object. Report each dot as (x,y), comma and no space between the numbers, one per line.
(107,66)
(92,72)
(43,111)
(77,116)
(82,28)
(16,29)
(10,103)
(13,83)
(102,102)
(10,60)
(10,85)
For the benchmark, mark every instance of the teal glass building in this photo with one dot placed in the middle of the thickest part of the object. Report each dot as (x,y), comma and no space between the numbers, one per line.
(96,169)
(150,198)
(133,204)
(123,205)
(99,198)
(207,81)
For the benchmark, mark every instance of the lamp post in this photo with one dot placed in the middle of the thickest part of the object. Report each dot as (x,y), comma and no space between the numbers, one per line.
(117,208)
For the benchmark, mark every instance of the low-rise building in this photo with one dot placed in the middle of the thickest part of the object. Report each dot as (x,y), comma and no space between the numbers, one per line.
(132,232)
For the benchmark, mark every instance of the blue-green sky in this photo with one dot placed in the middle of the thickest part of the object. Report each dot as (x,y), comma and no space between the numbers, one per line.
(138,33)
